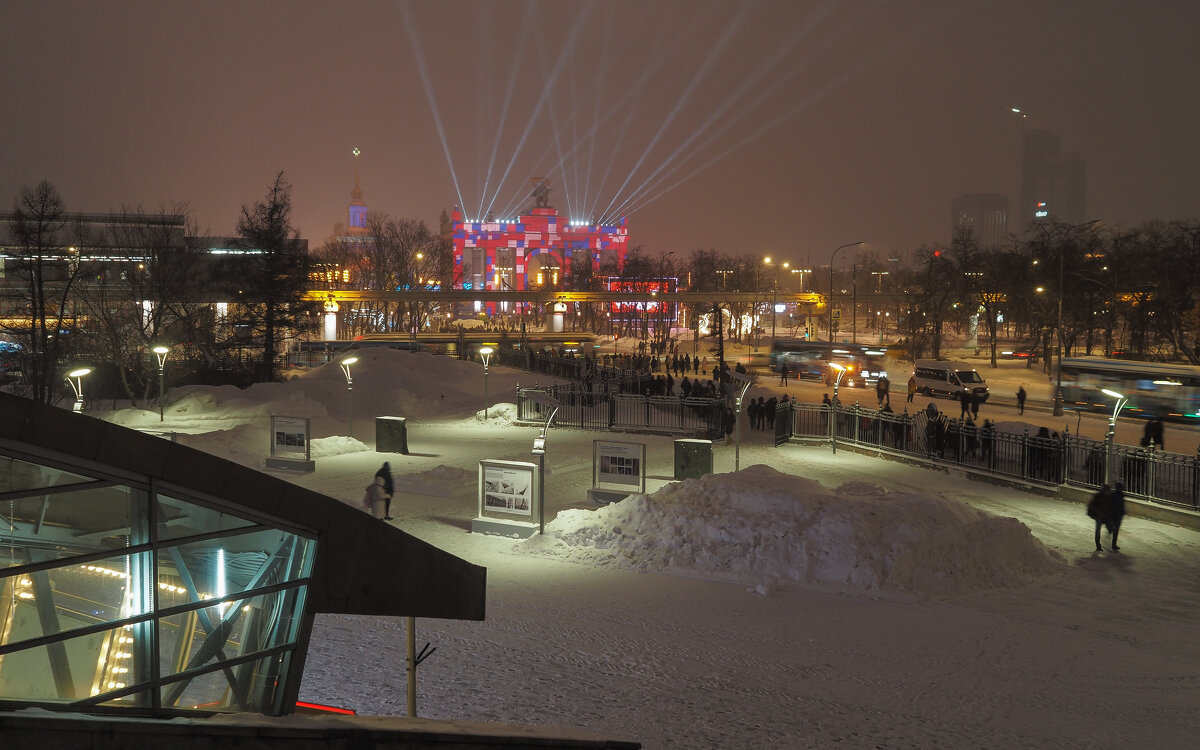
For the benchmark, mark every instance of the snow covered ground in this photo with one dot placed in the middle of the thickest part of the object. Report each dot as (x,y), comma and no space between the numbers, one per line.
(808,600)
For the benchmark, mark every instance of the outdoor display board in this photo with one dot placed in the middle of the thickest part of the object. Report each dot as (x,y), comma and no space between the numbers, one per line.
(290,444)
(509,497)
(619,463)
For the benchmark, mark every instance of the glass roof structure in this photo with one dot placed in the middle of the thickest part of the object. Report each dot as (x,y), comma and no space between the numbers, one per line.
(140,575)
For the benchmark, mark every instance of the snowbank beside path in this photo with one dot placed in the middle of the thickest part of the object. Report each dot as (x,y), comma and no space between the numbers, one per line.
(766,529)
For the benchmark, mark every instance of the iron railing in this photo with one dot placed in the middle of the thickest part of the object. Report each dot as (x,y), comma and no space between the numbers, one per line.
(1044,459)
(603,409)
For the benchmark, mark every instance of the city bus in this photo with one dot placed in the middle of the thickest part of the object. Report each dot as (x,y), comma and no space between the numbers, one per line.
(1153,388)
(809,360)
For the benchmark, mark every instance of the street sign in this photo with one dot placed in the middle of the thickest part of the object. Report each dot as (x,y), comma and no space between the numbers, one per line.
(837,314)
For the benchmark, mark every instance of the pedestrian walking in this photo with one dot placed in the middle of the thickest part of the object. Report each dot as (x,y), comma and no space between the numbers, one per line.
(881,391)
(389,487)
(1116,513)
(975,406)
(1021,399)
(374,501)
(964,400)
(783,373)
(1152,435)
(912,387)
(1102,509)
(727,422)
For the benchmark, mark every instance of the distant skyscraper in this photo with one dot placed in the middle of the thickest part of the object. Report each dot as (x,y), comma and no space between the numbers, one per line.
(1053,184)
(986,215)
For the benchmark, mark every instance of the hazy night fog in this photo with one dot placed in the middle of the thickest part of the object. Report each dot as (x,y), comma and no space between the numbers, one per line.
(780,127)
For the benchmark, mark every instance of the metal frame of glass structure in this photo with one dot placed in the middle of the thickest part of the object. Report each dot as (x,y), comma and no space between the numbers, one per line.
(121,592)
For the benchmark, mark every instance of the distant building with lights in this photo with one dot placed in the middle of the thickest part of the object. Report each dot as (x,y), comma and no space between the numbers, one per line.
(1053,184)
(985,215)
(535,250)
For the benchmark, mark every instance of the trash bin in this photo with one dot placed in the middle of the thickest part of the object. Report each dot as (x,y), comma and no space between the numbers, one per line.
(391,435)
(693,458)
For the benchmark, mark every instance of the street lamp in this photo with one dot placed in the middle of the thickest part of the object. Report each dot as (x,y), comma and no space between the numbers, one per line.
(1112,431)
(841,370)
(345,363)
(774,291)
(1058,397)
(801,271)
(75,378)
(743,382)
(831,259)
(545,401)
(161,353)
(485,353)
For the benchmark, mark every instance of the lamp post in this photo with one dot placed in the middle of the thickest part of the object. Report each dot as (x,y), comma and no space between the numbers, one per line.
(1058,397)
(160,352)
(743,382)
(546,401)
(831,260)
(75,378)
(345,364)
(774,290)
(841,370)
(1112,431)
(485,353)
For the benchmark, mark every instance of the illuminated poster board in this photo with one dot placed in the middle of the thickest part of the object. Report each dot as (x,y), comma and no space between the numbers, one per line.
(289,437)
(291,444)
(509,498)
(618,463)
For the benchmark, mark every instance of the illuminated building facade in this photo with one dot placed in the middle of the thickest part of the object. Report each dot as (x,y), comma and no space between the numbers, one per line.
(537,250)
(986,216)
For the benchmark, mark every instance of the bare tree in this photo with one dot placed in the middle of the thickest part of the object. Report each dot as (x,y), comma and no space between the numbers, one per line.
(133,289)
(47,246)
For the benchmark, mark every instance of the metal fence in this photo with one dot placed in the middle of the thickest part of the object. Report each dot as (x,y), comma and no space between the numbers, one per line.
(603,409)
(1049,460)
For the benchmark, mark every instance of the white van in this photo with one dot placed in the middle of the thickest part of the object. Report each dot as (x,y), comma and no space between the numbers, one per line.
(944,377)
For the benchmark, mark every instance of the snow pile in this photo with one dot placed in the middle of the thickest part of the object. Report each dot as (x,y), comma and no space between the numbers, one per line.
(766,529)
(337,445)
(498,415)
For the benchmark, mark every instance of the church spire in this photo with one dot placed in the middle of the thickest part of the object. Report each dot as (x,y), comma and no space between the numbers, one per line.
(358,209)
(356,193)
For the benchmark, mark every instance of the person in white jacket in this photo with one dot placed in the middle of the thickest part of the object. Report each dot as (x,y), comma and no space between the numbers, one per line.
(375,500)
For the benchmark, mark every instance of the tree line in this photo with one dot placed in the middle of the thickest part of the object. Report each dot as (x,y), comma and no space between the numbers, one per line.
(1105,290)
(103,290)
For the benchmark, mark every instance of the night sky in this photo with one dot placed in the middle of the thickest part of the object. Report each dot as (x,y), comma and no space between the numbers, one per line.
(781,128)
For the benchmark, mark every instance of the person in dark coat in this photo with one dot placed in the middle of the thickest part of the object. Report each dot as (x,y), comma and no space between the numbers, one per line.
(1116,512)
(727,423)
(1098,510)
(881,392)
(1021,399)
(964,400)
(1153,434)
(389,486)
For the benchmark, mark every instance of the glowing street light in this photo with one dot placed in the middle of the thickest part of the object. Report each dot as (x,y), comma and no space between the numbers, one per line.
(1112,430)
(485,353)
(831,259)
(345,365)
(161,352)
(841,370)
(75,378)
